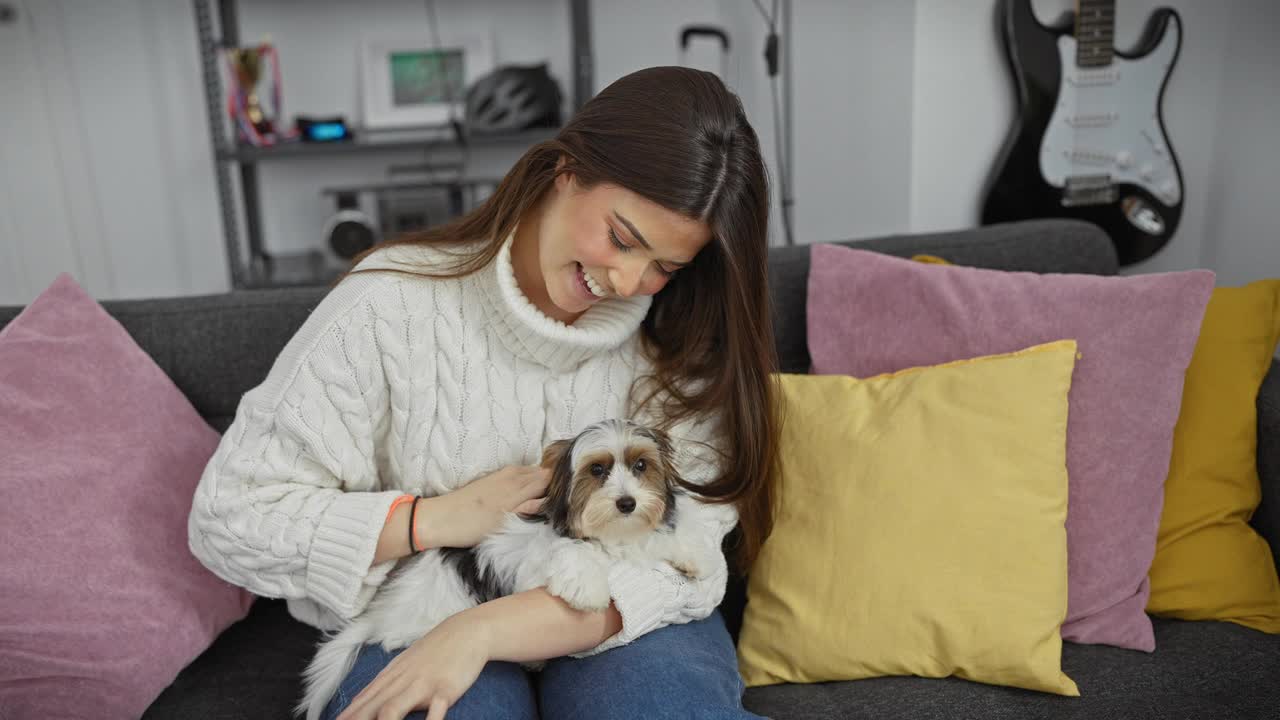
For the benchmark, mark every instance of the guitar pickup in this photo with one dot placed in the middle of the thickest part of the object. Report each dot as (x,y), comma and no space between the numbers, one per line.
(1088,190)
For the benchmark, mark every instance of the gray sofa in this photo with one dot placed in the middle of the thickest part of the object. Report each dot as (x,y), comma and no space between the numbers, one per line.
(217,347)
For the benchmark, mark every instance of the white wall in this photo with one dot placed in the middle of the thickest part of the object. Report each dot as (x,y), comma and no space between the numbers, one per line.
(1242,228)
(899,107)
(853,75)
(104,159)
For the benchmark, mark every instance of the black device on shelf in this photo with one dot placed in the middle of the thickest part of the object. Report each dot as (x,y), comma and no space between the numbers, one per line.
(261,268)
(322,130)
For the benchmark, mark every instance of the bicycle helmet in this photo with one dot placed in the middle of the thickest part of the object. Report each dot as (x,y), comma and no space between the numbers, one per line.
(512,98)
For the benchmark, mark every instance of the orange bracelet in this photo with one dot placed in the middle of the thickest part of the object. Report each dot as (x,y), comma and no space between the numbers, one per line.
(397,503)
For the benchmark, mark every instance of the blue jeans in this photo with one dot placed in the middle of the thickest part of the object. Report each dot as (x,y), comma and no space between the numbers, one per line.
(679,671)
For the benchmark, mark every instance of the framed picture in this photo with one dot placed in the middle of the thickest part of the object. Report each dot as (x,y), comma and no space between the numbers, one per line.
(406,81)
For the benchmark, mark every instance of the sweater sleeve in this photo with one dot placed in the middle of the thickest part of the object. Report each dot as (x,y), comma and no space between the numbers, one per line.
(291,503)
(649,598)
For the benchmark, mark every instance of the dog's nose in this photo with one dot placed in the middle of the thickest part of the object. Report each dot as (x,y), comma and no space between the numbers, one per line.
(626,504)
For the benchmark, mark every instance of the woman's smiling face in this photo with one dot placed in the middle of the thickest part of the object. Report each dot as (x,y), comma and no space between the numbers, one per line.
(600,242)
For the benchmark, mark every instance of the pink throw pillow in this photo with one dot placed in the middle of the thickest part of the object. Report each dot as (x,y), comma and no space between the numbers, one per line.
(101,602)
(871,313)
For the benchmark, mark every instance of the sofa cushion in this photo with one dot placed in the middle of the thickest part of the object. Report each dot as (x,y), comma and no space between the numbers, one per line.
(869,313)
(903,545)
(1200,669)
(101,602)
(1209,563)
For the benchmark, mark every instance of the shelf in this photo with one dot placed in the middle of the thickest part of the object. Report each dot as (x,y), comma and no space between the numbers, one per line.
(363,141)
(428,184)
(218,26)
(302,269)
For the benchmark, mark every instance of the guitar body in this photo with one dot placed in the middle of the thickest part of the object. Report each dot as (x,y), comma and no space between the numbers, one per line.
(1089,141)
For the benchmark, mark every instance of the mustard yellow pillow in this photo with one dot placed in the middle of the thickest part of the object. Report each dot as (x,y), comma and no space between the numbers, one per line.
(920,528)
(1209,563)
(931,259)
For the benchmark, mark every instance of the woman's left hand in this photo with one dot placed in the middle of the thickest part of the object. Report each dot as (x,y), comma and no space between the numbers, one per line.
(431,674)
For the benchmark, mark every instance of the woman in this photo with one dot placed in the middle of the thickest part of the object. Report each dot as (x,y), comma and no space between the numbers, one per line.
(619,270)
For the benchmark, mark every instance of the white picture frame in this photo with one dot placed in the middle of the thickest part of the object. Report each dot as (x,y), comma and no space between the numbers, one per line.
(400,83)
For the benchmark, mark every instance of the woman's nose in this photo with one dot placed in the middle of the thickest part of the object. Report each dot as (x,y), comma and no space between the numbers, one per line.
(628,279)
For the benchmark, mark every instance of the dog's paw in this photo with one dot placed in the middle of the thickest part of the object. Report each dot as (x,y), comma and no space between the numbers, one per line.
(688,566)
(583,589)
(691,563)
(578,576)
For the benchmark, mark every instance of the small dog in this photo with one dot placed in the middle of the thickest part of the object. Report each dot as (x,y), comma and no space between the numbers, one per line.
(612,496)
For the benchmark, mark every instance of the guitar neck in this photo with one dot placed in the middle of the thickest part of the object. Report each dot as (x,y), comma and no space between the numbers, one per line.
(1095,26)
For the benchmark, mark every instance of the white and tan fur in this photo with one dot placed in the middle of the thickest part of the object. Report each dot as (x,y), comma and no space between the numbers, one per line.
(586,524)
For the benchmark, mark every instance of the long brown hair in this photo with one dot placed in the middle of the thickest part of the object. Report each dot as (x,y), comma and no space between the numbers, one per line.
(679,138)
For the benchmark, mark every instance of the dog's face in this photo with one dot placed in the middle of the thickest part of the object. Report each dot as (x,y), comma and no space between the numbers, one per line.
(615,481)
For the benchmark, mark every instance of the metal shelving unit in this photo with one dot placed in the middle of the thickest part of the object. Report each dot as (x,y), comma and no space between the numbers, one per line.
(258,268)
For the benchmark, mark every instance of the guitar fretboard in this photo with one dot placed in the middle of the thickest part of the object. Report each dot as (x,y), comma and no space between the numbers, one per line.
(1095,24)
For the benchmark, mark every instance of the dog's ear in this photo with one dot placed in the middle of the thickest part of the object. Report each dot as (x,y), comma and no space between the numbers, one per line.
(558,458)
(675,483)
(551,455)
(665,449)
(663,440)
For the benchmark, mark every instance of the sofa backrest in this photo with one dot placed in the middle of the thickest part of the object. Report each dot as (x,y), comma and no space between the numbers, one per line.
(218,347)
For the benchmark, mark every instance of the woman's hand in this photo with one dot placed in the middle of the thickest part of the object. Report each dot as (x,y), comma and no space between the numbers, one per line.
(431,674)
(465,516)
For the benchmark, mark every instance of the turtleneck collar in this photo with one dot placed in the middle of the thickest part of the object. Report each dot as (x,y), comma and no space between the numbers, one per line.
(528,332)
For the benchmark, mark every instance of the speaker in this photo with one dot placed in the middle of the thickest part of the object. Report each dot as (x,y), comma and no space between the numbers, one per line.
(349,231)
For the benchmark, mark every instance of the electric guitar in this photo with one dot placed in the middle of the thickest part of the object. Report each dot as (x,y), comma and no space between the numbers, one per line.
(1089,139)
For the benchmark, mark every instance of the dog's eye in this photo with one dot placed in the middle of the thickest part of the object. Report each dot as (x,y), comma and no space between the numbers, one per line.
(639,466)
(597,469)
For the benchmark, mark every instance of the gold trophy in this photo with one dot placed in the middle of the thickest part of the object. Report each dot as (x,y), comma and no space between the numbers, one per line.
(255,124)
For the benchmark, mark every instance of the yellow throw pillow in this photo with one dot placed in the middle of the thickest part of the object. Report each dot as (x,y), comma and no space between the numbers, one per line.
(921,527)
(1209,563)
(931,259)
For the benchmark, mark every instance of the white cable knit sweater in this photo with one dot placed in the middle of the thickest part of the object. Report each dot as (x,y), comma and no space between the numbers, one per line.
(399,384)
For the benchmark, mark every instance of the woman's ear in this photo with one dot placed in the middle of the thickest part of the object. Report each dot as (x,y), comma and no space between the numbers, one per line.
(563,179)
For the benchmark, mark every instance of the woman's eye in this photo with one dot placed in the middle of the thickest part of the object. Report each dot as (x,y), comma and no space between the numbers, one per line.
(613,237)
(597,469)
(639,466)
(623,247)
